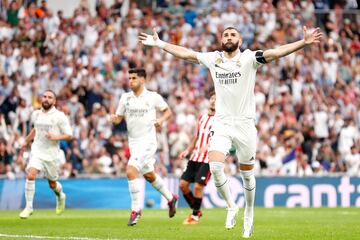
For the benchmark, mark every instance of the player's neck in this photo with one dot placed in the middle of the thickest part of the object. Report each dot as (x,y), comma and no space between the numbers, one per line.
(211,113)
(139,91)
(231,54)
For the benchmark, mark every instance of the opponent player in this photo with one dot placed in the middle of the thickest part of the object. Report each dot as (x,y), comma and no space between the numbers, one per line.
(197,170)
(50,126)
(233,73)
(138,108)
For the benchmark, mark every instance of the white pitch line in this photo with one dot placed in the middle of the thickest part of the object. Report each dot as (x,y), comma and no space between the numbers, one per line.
(50,237)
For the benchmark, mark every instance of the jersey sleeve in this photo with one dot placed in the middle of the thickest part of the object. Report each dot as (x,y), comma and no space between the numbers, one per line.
(34,116)
(258,58)
(206,58)
(64,125)
(160,103)
(121,107)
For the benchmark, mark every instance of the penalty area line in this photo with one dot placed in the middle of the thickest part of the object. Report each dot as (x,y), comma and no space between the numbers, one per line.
(51,237)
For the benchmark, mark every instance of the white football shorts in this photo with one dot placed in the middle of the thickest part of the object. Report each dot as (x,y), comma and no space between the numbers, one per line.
(49,168)
(142,155)
(242,134)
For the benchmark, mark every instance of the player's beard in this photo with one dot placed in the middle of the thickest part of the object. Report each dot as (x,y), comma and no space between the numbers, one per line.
(229,46)
(46,105)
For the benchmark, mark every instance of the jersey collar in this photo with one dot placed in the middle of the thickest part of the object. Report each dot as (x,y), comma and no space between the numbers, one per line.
(233,59)
(50,111)
(144,92)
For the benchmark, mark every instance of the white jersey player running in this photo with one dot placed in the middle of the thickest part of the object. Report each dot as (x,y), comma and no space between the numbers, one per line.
(50,126)
(233,73)
(138,108)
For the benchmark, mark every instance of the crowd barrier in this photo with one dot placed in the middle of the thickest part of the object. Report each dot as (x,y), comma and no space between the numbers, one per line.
(113,193)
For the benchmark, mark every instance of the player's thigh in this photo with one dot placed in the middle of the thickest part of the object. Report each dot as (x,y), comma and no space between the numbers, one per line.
(219,143)
(51,170)
(244,140)
(35,163)
(190,172)
(203,174)
(143,156)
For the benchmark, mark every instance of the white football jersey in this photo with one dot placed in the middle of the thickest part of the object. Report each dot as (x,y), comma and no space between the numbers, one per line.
(140,113)
(234,81)
(54,122)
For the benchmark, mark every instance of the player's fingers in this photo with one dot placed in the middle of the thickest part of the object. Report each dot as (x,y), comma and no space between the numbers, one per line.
(154,31)
(142,38)
(304,28)
(318,36)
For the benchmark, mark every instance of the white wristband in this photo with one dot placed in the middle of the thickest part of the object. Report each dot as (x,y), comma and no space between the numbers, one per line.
(160,44)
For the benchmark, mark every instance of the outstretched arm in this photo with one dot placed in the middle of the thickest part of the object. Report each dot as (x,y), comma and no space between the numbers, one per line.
(177,51)
(309,38)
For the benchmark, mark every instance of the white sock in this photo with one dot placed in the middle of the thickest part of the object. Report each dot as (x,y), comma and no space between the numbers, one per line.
(29,193)
(221,182)
(159,185)
(249,185)
(135,194)
(58,189)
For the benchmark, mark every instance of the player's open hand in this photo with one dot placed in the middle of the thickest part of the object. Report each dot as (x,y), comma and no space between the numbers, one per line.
(151,40)
(312,37)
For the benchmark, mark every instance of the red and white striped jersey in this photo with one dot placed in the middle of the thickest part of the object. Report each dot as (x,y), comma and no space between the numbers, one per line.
(200,152)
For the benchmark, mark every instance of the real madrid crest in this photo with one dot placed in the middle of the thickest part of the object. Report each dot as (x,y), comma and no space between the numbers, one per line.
(238,63)
(218,61)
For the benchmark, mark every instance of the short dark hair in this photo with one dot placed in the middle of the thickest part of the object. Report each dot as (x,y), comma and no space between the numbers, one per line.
(3,141)
(49,90)
(138,71)
(230,28)
(211,93)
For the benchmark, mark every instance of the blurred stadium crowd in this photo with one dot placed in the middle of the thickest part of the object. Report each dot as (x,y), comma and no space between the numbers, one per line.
(307,103)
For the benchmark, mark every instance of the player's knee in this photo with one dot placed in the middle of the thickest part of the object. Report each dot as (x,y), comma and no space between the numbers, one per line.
(248,178)
(52,184)
(131,173)
(198,188)
(184,186)
(246,174)
(31,176)
(216,168)
(150,177)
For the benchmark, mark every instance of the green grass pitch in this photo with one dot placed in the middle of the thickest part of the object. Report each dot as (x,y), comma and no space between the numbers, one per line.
(276,223)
